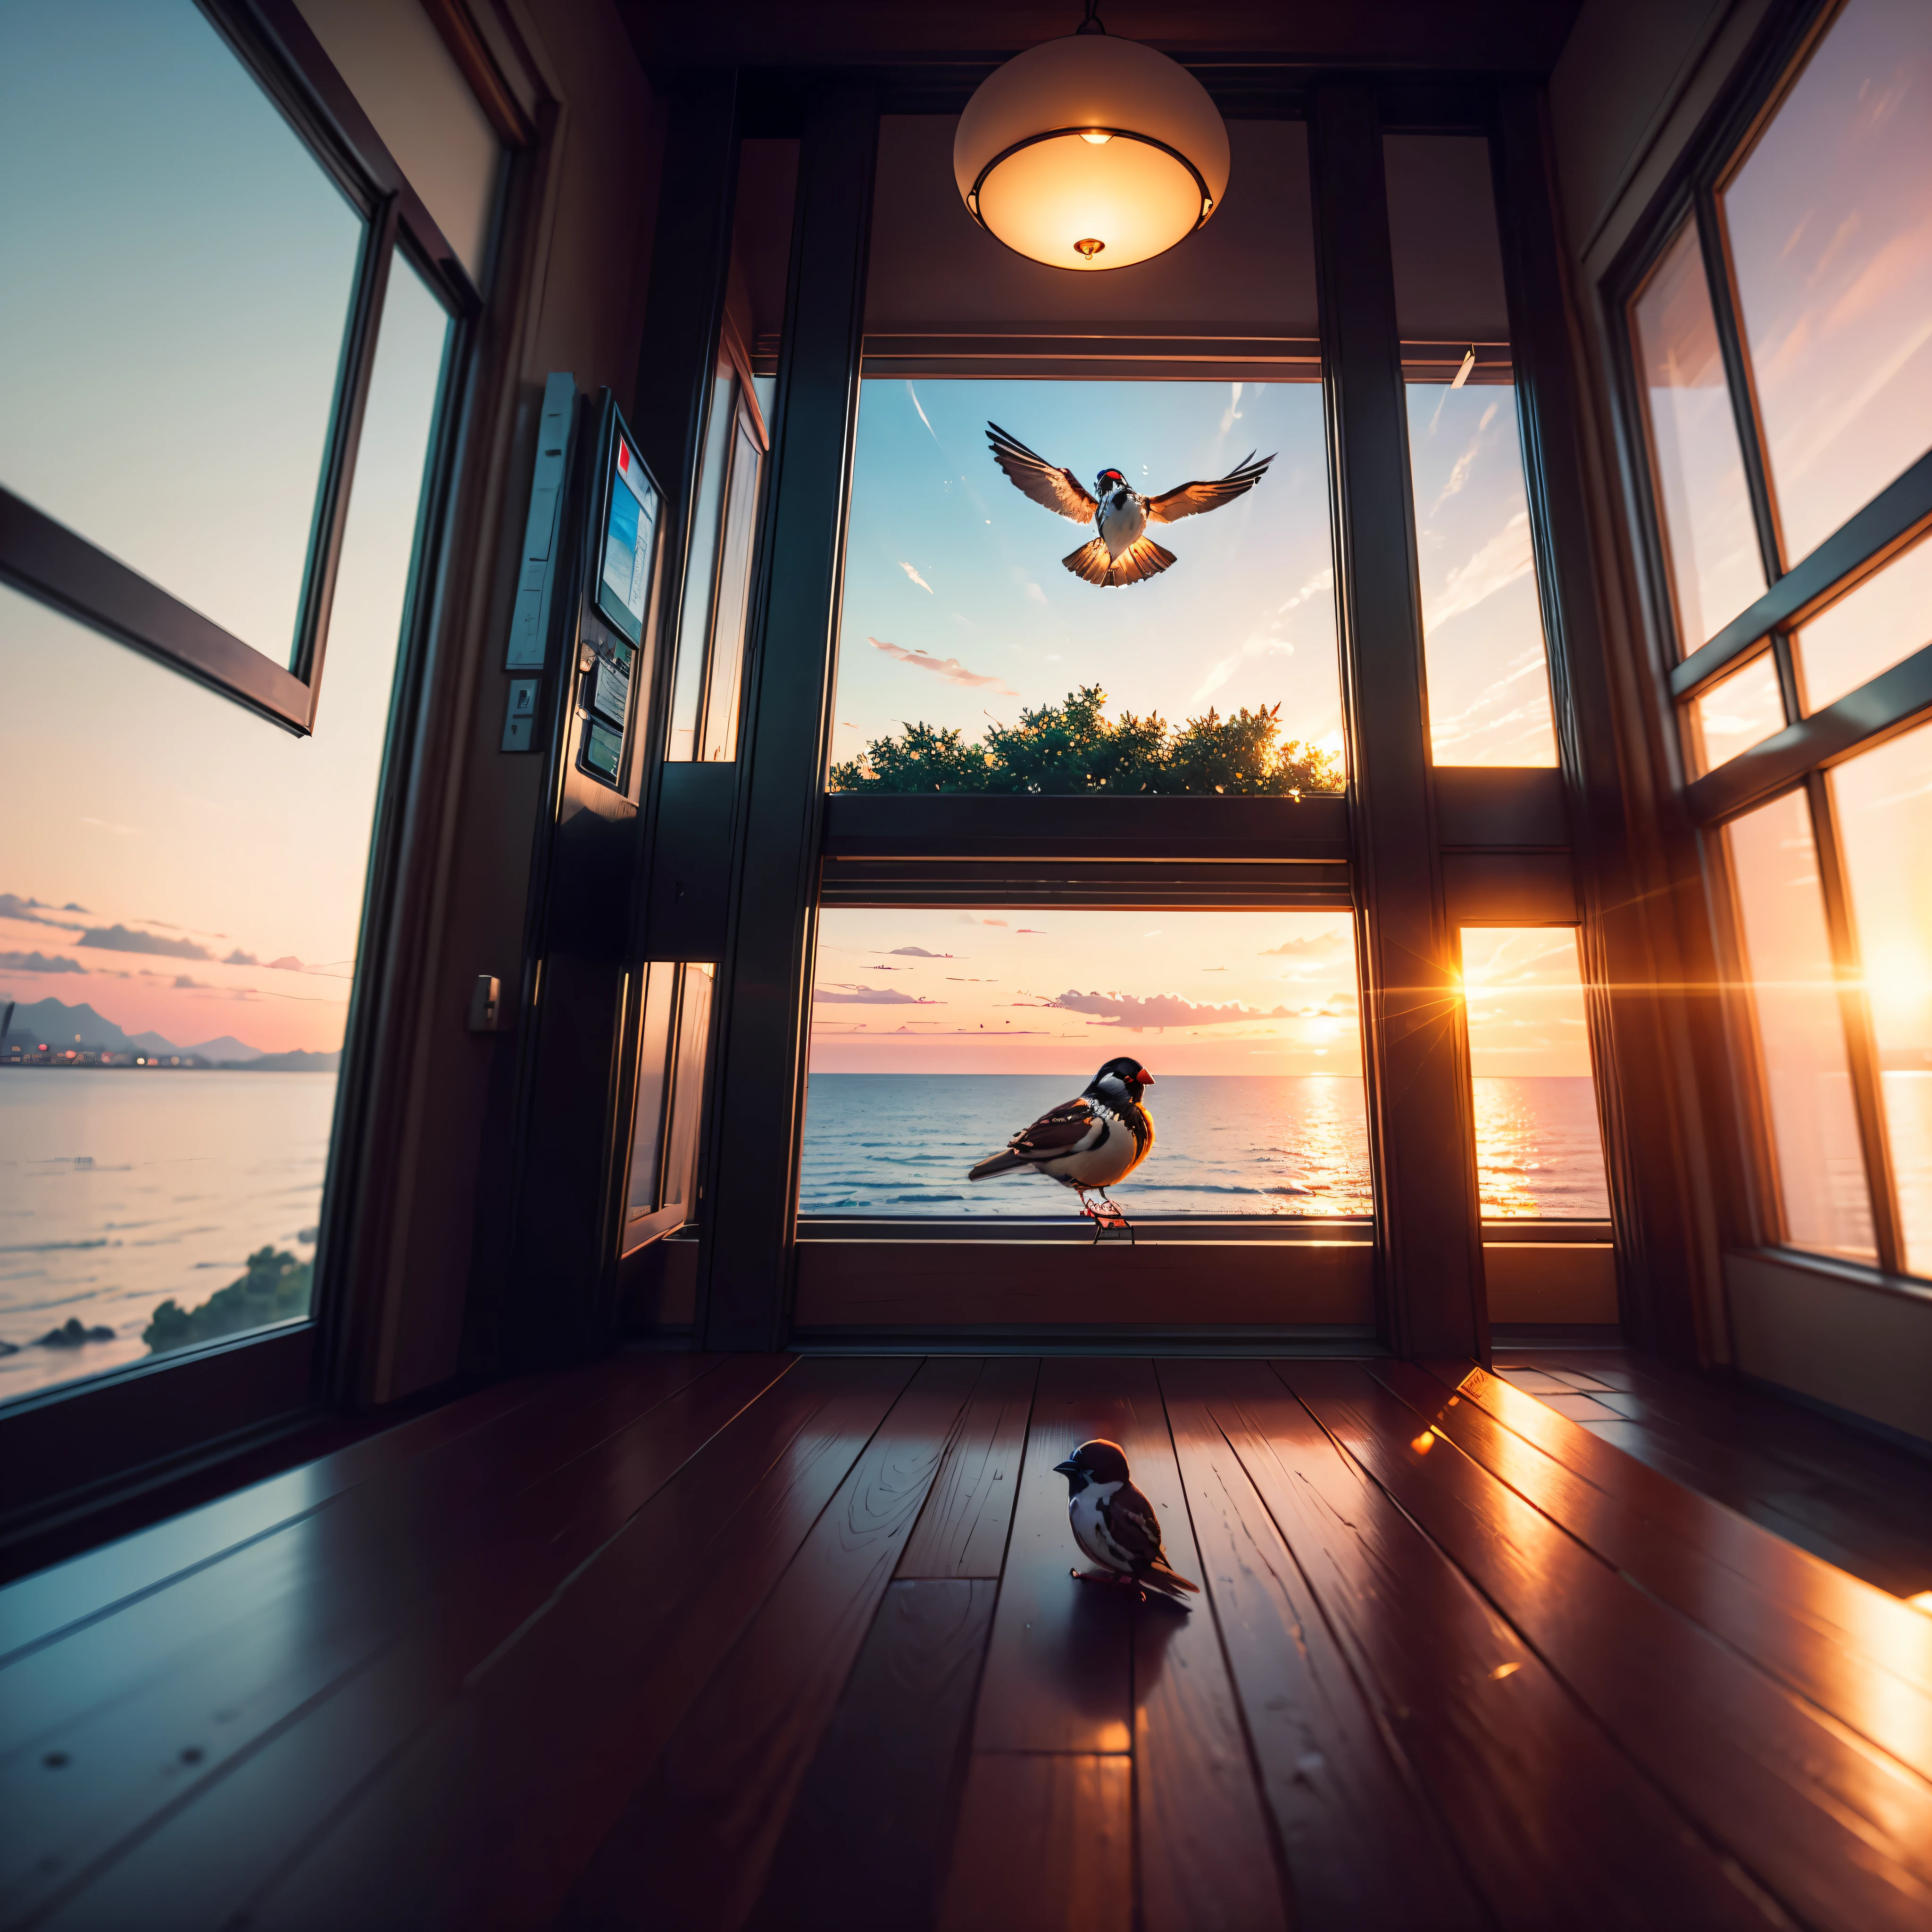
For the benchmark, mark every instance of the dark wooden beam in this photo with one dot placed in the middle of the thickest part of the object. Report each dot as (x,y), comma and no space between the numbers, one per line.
(1415,1038)
(750,1188)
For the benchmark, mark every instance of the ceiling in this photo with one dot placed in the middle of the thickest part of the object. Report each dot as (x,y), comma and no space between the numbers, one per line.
(1512,36)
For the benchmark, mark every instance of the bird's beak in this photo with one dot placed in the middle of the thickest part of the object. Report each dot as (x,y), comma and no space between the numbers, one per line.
(1065,1468)
(1144,1077)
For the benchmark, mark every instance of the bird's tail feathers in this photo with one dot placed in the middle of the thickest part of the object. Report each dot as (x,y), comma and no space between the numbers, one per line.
(1170,1581)
(996,1163)
(1092,563)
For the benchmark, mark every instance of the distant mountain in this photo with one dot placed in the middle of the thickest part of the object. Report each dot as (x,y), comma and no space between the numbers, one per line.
(223,1051)
(56,1023)
(300,1061)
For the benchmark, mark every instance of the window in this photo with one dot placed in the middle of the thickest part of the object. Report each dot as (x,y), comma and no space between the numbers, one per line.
(1484,649)
(229,344)
(939,1033)
(673,1039)
(971,659)
(1785,379)
(1539,1146)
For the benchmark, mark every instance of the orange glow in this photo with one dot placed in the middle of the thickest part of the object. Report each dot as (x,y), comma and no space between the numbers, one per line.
(1503,1670)
(1424,1442)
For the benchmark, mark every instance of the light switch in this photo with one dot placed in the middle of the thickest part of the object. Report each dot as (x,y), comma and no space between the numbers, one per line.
(520,718)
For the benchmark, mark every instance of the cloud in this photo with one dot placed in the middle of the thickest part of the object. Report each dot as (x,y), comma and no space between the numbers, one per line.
(1264,643)
(922,416)
(122,939)
(1162,1009)
(238,958)
(1323,946)
(916,578)
(868,996)
(1231,415)
(950,670)
(12,906)
(186,983)
(288,963)
(1034,592)
(39,962)
(1497,564)
(917,952)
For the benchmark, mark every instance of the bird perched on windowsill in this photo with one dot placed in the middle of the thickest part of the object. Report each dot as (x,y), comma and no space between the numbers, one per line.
(1090,1143)
(1114,1524)
(1122,552)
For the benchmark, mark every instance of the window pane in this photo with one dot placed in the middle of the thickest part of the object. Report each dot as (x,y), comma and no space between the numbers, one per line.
(970,660)
(1831,231)
(687,1100)
(1888,617)
(1737,712)
(1539,1145)
(739,531)
(1800,1031)
(1884,803)
(1716,567)
(701,575)
(962,1027)
(178,271)
(654,1044)
(1489,677)
(202,871)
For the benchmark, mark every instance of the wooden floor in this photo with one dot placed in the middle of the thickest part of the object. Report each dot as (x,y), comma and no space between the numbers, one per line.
(783,1642)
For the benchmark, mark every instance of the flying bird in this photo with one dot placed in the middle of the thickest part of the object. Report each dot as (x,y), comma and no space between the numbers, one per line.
(1122,552)
(1114,1524)
(1089,1143)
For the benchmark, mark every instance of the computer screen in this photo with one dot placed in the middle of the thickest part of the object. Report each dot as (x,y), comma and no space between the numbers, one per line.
(630,531)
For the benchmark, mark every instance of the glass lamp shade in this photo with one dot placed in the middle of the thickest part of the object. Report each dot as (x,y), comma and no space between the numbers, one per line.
(1090,153)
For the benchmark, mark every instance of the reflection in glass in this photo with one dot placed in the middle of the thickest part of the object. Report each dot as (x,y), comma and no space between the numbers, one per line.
(647,1116)
(1830,223)
(1716,567)
(179,272)
(938,1033)
(182,916)
(1539,1145)
(696,981)
(1489,680)
(700,574)
(1801,1038)
(1735,713)
(1884,803)
(719,739)
(970,660)
(1888,617)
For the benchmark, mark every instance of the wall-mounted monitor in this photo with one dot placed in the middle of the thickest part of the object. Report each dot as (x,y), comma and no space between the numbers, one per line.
(630,538)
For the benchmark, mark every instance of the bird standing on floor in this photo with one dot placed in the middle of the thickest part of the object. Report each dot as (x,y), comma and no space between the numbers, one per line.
(1089,1143)
(1122,552)
(1114,1524)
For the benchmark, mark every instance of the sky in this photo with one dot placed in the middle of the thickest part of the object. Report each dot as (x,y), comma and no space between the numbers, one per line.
(174,861)
(1000,990)
(1524,988)
(955,606)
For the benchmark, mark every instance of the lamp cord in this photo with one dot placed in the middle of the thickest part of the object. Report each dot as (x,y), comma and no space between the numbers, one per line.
(1091,25)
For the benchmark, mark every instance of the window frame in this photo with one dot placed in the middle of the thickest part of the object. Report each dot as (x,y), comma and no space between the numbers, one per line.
(60,567)
(1800,756)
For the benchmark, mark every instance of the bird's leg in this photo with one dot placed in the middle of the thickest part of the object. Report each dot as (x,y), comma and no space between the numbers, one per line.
(1111,1577)
(1107,1216)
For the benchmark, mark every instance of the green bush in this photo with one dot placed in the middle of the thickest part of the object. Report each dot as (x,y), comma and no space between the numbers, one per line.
(275,1288)
(1072,747)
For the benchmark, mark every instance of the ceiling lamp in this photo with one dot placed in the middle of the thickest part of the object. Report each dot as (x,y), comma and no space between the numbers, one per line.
(1091,152)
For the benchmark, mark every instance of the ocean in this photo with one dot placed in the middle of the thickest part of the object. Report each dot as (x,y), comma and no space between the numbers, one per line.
(119,1188)
(1225,1144)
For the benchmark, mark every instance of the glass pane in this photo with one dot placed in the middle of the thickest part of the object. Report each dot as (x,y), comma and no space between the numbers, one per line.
(178,271)
(1884,801)
(963,1026)
(1539,1145)
(1716,567)
(1800,1030)
(202,870)
(740,530)
(1737,712)
(701,575)
(1888,617)
(970,660)
(687,1102)
(1482,626)
(660,1000)
(1830,221)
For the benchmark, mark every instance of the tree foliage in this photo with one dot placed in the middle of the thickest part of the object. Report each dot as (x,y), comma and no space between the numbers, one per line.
(275,1288)
(1072,747)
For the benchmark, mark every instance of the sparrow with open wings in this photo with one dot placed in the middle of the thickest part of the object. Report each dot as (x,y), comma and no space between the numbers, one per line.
(1122,552)
(1089,1143)
(1114,1524)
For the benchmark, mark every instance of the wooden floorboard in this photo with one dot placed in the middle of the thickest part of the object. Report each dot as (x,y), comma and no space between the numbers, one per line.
(1841,1833)
(792,1644)
(1340,1791)
(693,1840)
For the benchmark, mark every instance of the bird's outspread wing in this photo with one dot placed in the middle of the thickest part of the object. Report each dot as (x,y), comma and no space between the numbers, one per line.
(1052,489)
(1191,499)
